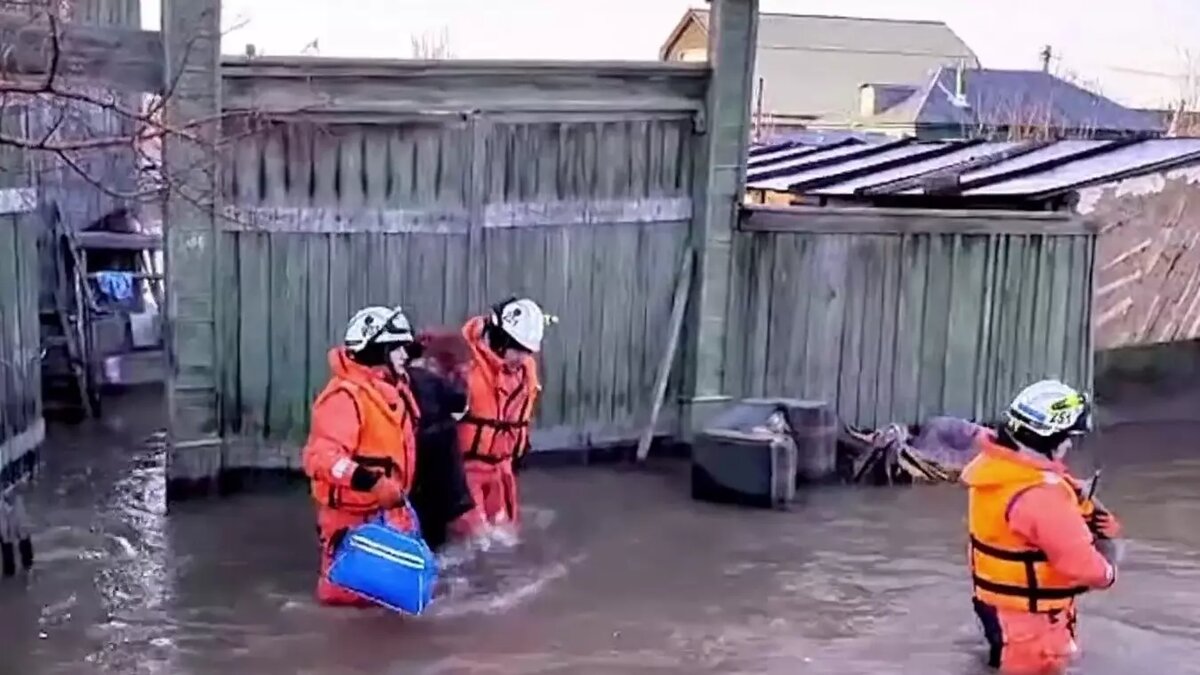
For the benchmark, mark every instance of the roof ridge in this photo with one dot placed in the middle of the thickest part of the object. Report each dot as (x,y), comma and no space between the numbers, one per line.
(802,15)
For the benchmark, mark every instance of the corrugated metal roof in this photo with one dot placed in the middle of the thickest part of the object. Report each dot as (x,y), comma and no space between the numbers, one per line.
(1008,169)
(1097,168)
(916,168)
(901,154)
(777,157)
(823,155)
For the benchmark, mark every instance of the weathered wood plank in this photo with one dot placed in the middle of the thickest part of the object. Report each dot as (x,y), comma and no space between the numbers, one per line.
(254,321)
(734,347)
(795,336)
(317,329)
(29,229)
(823,354)
(1011,379)
(342,264)
(114,56)
(779,302)
(577,326)
(850,375)
(295,84)
(985,405)
(1077,333)
(964,335)
(890,294)
(11,393)
(1023,340)
(911,313)
(451,220)
(290,376)
(758,319)
(848,221)
(555,275)
(609,263)
(229,285)
(874,268)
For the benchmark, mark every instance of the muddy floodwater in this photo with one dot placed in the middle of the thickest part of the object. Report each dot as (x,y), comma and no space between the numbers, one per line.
(619,572)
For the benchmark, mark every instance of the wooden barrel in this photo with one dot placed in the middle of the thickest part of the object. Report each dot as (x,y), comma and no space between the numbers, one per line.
(814,428)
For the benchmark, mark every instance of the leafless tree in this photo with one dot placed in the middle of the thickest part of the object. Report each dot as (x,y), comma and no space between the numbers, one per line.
(53,122)
(1185,110)
(1025,120)
(432,46)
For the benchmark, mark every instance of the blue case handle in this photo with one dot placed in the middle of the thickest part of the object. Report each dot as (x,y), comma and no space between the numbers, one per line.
(381,518)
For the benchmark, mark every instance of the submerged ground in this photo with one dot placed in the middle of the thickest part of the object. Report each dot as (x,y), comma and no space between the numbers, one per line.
(620,572)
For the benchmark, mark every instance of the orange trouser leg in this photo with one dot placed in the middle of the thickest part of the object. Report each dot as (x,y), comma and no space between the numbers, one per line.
(494,491)
(329,523)
(1029,643)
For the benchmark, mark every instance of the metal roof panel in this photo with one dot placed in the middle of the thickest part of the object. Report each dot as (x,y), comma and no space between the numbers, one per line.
(921,166)
(1131,158)
(914,151)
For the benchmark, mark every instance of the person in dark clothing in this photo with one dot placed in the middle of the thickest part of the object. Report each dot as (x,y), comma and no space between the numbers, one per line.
(440,494)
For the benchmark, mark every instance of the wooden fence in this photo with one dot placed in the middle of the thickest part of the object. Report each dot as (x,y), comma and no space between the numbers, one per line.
(898,315)
(445,216)
(21,426)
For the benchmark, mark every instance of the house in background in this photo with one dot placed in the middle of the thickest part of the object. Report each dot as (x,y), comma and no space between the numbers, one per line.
(811,67)
(985,103)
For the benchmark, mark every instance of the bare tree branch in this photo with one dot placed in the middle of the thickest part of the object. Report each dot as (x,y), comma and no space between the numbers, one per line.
(77,123)
(430,46)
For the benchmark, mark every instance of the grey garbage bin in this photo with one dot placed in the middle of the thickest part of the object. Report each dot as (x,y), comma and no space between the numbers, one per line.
(756,451)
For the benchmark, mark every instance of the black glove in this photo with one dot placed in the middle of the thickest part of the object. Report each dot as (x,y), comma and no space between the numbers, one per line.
(518,462)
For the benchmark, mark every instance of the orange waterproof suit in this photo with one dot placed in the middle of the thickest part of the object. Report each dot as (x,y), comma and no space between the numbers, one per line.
(361,419)
(495,430)
(1031,554)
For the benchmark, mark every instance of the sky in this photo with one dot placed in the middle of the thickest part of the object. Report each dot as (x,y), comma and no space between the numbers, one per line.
(1142,53)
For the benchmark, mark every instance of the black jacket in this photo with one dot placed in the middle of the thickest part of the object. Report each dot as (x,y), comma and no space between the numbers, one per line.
(440,492)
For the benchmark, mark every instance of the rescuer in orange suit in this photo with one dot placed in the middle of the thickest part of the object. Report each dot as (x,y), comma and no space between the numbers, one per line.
(361,454)
(1038,539)
(502,388)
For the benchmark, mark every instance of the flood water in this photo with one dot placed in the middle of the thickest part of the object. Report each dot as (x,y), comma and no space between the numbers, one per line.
(619,572)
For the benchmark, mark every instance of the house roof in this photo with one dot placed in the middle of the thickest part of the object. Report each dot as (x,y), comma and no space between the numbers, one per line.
(1008,98)
(1008,170)
(812,66)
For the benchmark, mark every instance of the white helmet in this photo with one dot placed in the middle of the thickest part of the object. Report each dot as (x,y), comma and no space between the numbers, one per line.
(377,325)
(523,321)
(1049,408)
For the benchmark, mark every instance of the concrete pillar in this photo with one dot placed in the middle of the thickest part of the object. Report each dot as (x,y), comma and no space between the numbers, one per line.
(721,175)
(192,50)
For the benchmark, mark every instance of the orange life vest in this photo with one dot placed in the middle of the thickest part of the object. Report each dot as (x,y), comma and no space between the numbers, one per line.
(500,400)
(1007,571)
(386,440)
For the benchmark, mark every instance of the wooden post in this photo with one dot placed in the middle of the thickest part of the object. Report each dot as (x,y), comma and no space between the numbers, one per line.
(475,275)
(678,305)
(721,174)
(191,49)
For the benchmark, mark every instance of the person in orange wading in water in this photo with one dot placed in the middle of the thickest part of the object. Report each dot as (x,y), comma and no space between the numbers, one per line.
(502,388)
(360,455)
(1038,538)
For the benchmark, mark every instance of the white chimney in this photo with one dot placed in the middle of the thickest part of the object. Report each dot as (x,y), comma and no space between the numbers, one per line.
(868,100)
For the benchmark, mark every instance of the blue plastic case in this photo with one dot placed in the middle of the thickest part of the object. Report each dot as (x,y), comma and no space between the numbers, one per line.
(387,565)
